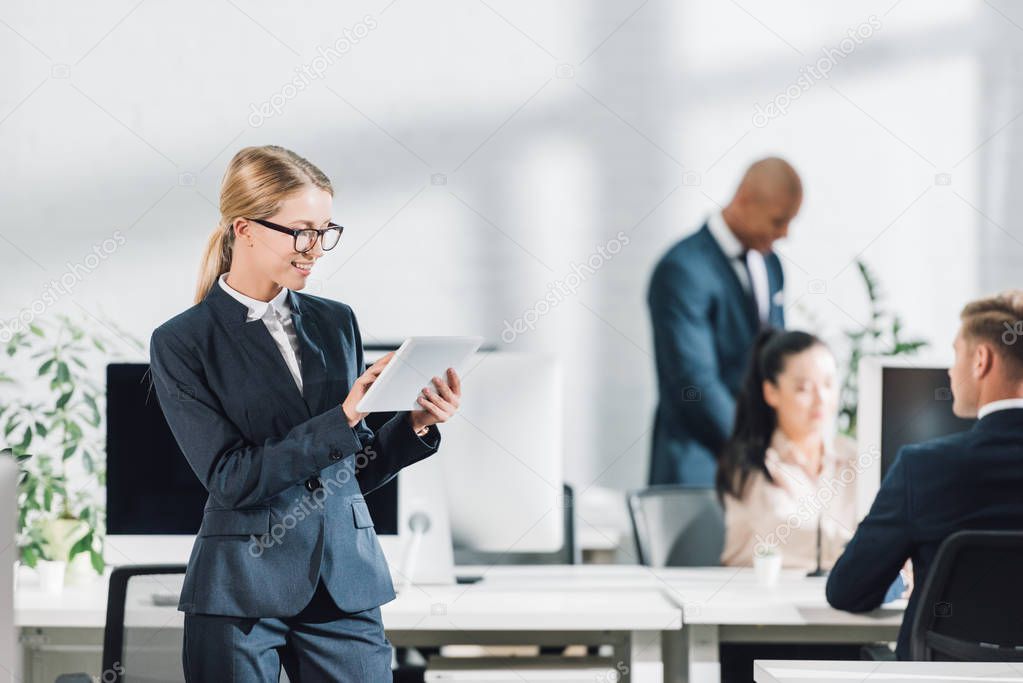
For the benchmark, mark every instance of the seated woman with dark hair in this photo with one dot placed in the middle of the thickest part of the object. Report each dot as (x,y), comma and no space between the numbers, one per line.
(785,472)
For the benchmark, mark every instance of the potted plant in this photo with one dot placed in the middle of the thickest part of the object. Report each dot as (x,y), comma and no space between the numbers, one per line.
(53,427)
(882,336)
(50,541)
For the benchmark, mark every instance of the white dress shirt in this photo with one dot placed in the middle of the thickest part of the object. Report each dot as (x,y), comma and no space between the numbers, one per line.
(733,250)
(1004,404)
(276,315)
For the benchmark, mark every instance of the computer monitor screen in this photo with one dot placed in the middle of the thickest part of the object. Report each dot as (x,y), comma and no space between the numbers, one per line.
(916,405)
(502,456)
(150,487)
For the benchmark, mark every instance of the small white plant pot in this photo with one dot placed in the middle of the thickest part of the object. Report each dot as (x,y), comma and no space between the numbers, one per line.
(51,576)
(767,567)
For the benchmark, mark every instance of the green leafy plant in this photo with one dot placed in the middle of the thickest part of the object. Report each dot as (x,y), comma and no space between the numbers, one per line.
(883,336)
(57,436)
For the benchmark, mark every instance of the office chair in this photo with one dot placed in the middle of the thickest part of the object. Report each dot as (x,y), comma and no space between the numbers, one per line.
(130,648)
(971,601)
(677,526)
(567,554)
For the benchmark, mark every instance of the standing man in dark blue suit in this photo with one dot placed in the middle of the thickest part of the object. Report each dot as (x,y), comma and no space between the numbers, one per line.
(970,480)
(708,297)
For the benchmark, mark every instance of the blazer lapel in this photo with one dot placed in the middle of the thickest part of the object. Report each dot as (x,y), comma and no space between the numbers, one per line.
(260,345)
(314,366)
(256,342)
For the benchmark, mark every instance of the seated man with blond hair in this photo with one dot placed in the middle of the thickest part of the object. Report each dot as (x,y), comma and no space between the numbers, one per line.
(971,480)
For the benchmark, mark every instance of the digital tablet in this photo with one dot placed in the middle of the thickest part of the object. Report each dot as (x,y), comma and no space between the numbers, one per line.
(414,365)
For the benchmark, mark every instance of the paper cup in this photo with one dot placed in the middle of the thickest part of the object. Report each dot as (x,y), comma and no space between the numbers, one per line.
(767,568)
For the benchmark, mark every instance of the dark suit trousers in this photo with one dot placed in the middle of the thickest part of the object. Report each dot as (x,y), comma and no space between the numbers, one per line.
(319,644)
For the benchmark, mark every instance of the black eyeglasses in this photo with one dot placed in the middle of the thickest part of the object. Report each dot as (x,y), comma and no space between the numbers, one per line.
(306,237)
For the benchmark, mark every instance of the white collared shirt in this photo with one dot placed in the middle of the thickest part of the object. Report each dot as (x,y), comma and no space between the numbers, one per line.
(276,315)
(1004,404)
(733,249)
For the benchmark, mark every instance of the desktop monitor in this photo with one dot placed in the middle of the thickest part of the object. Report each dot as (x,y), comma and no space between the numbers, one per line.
(503,453)
(154,500)
(500,462)
(900,402)
(499,471)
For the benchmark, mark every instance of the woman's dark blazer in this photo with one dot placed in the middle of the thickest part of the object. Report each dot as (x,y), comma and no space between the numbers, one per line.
(285,473)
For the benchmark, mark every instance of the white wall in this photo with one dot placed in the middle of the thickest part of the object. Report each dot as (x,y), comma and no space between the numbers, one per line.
(554,126)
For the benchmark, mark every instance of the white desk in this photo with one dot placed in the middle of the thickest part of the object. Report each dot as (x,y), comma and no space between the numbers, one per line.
(632,620)
(888,672)
(728,605)
(720,605)
(637,609)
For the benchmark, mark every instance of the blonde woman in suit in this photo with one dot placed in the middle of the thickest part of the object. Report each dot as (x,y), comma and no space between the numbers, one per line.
(259,384)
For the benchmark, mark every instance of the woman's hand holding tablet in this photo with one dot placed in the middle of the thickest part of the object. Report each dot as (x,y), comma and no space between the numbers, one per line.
(421,377)
(359,389)
(438,404)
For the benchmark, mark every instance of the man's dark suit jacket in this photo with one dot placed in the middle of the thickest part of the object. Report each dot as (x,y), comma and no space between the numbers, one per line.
(285,473)
(970,480)
(704,325)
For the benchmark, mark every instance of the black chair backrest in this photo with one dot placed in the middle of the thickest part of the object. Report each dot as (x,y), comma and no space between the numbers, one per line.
(114,656)
(677,526)
(971,606)
(567,554)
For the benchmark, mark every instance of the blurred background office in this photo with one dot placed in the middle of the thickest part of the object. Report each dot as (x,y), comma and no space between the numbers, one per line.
(525,163)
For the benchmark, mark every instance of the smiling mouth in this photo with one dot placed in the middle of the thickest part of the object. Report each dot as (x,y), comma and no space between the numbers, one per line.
(302,266)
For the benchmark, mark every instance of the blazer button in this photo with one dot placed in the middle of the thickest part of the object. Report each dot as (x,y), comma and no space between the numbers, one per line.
(335,455)
(312,483)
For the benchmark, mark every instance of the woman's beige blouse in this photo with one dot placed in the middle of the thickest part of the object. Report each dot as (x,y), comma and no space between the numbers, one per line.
(785,513)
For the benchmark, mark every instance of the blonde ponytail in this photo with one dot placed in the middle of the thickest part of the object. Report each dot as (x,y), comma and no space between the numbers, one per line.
(257,180)
(216,259)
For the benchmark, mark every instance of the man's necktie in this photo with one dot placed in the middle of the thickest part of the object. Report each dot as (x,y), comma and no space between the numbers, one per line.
(748,286)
